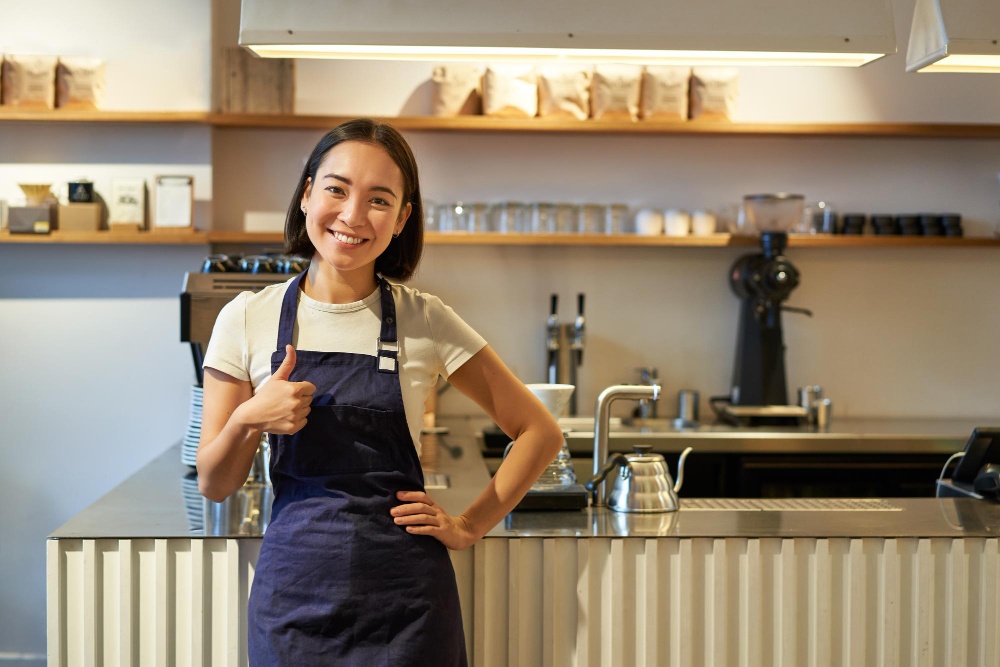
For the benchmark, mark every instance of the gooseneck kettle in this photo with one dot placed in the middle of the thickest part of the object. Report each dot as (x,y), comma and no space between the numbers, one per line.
(643,483)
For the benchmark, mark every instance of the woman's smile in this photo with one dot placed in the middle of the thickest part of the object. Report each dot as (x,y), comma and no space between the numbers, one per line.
(346,239)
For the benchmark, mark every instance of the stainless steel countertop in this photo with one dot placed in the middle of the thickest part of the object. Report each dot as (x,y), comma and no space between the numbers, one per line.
(161,500)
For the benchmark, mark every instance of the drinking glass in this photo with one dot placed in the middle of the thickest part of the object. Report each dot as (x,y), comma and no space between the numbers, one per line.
(818,218)
(616,219)
(510,217)
(446,216)
(565,219)
(430,216)
(590,219)
(543,218)
(475,217)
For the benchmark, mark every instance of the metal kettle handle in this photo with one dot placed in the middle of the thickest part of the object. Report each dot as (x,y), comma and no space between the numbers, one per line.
(613,462)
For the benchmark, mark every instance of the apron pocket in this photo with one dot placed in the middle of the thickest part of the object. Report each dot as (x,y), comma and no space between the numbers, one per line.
(340,439)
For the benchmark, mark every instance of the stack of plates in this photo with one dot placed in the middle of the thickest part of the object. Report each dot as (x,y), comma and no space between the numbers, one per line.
(194,504)
(189,448)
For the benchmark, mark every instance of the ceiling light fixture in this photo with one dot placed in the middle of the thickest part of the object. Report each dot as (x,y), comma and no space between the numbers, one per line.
(954,36)
(708,32)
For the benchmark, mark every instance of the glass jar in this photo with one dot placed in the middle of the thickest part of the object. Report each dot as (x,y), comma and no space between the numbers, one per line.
(565,218)
(510,217)
(543,218)
(616,219)
(590,219)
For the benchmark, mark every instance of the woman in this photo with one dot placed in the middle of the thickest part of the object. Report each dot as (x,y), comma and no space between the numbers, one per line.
(335,366)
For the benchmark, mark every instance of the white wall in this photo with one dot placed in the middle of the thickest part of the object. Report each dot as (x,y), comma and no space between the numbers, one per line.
(95,378)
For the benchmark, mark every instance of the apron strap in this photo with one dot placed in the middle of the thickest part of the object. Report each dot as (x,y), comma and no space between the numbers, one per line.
(387,344)
(289,306)
(386,358)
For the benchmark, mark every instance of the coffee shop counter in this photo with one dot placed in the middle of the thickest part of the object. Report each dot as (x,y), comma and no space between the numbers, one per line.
(154,574)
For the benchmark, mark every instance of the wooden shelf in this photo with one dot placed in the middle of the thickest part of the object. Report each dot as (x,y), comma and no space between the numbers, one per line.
(108,237)
(542,125)
(694,127)
(74,116)
(245,237)
(628,240)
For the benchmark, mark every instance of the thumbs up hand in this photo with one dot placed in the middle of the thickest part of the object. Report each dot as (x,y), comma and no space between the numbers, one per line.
(280,406)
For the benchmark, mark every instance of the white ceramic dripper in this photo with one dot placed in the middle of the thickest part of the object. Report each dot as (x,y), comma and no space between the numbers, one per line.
(555,397)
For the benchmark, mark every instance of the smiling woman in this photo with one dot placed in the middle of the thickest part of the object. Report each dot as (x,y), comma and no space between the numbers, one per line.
(354,567)
(389,184)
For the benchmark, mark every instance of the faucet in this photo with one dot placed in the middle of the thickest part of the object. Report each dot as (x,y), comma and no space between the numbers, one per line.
(602,418)
(647,408)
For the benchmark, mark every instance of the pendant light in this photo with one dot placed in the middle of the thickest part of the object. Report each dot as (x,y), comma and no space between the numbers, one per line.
(955,36)
(706,32)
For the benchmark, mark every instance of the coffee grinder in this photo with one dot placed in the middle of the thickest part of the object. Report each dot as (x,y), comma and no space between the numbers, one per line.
(763,281)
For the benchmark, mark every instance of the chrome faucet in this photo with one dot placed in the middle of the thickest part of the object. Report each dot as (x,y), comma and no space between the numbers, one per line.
(602,419)
(647,408)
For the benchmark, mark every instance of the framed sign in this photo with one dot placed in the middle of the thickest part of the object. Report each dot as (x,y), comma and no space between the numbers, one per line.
(174,203)
(127,209)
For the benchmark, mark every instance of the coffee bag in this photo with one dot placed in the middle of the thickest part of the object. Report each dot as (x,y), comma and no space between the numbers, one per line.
(714,91)
(80,83)
(665,92)
(511,91)
(616,91)
(29,82)
(564,91)
(456,90)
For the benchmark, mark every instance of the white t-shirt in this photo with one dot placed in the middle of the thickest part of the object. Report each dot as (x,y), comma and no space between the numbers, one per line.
(433,340)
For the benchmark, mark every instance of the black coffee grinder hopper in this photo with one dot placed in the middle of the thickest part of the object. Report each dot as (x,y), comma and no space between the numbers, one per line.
(763,281)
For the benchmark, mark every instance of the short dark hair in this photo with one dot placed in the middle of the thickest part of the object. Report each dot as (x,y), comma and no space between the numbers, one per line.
(400,259)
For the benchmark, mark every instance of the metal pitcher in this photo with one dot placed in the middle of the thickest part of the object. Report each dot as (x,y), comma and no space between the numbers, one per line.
(643,483)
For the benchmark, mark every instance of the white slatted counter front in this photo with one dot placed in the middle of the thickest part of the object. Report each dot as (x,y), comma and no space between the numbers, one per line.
(613,602)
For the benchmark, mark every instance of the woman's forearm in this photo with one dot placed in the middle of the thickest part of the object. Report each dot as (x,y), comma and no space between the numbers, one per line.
(532,451)
(224,462)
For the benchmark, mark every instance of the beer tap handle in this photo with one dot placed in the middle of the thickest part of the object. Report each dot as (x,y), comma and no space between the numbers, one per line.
(552,326)
(579,327)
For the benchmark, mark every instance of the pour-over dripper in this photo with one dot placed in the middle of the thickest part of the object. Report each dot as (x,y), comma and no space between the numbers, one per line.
(35,194)
(555,397)
(559,473)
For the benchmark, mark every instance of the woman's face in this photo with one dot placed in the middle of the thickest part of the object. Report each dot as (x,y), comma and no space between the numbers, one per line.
(354,206)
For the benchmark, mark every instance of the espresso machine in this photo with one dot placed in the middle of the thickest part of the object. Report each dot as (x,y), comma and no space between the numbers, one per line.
(763,281)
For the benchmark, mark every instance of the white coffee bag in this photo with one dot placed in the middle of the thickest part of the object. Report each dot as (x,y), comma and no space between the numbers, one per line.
(80,83)
(29,82)
(511,91)
(564,91)
(616,90)
(665,92)
(456,90)
(714,91)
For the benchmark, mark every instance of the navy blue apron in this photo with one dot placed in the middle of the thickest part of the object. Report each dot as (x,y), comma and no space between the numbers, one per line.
(337,581)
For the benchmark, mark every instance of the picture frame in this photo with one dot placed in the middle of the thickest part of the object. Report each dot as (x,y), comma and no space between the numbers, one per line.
(173,203)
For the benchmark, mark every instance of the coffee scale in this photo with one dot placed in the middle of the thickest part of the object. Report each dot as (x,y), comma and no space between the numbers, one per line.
(763,281)
(557,487)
